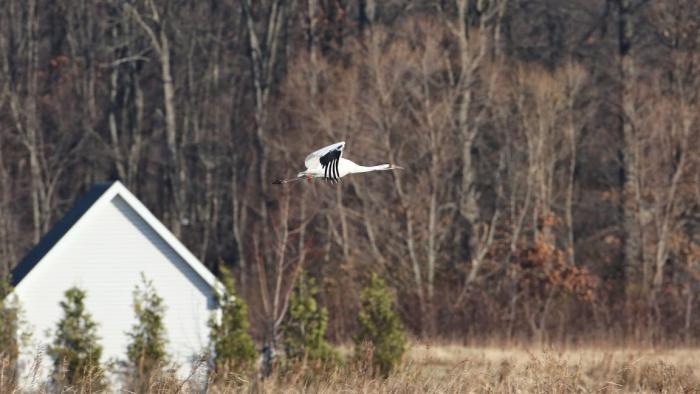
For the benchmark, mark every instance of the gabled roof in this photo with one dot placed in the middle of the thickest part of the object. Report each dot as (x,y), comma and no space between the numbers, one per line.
(98,195)
(58,231)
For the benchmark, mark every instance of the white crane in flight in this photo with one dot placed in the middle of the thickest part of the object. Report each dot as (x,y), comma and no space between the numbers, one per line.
(327,163)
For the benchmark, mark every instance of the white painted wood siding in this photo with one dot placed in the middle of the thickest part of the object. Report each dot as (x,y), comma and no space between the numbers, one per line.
(104,255)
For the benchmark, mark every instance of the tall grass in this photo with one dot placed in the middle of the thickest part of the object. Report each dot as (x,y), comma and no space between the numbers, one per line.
(454,369)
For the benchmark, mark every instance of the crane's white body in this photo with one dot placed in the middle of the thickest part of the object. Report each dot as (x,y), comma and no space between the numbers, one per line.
(327,163)
(345,167)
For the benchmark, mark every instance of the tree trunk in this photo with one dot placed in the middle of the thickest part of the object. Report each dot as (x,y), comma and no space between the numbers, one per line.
(176,172)
(631,195)
(177,169)
(471,55)
(468,206)
(313,45)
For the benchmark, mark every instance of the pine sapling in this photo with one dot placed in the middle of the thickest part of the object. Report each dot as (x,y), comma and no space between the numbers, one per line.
(75,350)
(146,352)
(234,349)
(304,329)
(380,328)
(9,323)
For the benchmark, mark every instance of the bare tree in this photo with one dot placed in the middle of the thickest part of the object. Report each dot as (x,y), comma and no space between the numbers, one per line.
(276,276)
(126,97)
(157,32)
(627,15)
(263,31)
(673,124)
(474,44)
(499,110)
(22,91)
(546,103)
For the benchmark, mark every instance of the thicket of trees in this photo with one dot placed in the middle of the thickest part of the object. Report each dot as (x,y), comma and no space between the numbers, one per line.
(551,188)
(76,350)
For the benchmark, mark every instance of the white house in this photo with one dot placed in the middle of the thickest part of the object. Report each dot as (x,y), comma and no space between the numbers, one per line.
(102,245)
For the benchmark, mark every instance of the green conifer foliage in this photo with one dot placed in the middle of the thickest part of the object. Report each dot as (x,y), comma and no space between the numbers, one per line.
(380,327)
(9,321)
(234,349)
(305,328)
(146,351)
(75,350)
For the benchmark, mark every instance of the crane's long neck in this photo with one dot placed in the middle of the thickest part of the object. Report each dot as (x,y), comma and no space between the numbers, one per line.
(358,168)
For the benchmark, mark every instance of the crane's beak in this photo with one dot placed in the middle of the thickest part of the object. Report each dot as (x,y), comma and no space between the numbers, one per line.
(395,167)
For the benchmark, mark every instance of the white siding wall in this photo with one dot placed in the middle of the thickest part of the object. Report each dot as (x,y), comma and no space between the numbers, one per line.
(105,255)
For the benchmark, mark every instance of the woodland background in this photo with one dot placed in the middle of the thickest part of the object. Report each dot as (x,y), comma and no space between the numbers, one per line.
(551,189)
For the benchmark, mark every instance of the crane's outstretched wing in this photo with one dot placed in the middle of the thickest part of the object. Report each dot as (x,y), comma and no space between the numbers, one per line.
(320,157)
(328,159)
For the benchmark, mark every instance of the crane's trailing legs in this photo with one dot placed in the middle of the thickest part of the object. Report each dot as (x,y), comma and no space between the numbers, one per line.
(292,180)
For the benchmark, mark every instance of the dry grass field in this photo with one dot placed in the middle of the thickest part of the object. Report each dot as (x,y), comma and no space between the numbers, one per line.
(459,369)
